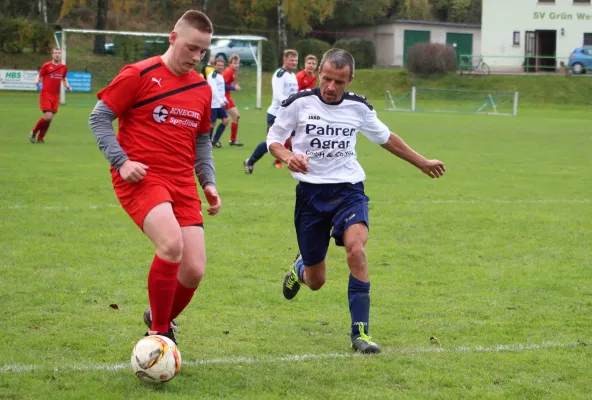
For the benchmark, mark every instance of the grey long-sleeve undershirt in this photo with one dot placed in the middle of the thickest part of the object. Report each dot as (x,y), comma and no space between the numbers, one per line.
(101,123)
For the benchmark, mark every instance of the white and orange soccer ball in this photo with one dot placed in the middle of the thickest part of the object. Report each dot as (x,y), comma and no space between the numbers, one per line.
(156,359)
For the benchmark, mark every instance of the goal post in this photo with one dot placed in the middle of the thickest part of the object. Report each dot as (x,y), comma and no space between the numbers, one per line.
(424,99)
(258,57)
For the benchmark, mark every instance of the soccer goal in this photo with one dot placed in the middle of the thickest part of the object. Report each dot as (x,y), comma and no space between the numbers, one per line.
(104,58)
(423,99)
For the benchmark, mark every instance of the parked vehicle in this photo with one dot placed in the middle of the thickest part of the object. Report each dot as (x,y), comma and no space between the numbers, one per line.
(580,60)
(224,48)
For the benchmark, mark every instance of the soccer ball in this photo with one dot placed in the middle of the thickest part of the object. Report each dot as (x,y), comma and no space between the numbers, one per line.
(156,359)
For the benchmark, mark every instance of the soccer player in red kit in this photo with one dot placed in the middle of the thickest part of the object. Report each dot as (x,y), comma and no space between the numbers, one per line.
(51,74)
(229,75)
(307,78)
(163,108)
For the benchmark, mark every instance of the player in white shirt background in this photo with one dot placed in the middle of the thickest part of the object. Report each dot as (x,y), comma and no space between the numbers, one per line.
(283,84)
(330,198)
(216,81)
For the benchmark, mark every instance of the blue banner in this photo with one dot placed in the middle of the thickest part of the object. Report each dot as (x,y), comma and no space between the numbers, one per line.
(79,81)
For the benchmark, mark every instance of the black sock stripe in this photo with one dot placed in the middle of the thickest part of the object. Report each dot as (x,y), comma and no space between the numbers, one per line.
(167,94)
(150,68)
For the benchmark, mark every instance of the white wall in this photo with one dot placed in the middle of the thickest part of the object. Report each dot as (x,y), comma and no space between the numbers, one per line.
(437,35)
(502,17)
(389,39)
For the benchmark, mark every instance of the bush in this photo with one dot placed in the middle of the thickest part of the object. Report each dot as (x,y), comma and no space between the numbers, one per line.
(363,51)
(18,34)
(426,59)
(269,56)
(315,47)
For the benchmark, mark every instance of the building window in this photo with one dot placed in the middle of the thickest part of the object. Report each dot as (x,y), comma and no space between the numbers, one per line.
(581,1)
(516,38)
(587,39)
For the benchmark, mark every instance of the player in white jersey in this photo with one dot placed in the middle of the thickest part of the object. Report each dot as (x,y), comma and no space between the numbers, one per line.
(216,81)
(330,198)
(284,84)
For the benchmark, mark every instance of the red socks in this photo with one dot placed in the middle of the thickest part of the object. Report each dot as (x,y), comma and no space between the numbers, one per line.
(183,296)
(162,282)
(43,130)
(233,131)
(39,125)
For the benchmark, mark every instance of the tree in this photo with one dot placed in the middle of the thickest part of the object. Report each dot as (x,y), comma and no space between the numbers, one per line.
(102,9)
(43,11)
(467,11)
(419,10)
(297,15)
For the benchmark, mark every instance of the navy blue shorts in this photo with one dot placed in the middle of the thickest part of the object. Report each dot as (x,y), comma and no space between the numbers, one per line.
(218,113)
(326,210)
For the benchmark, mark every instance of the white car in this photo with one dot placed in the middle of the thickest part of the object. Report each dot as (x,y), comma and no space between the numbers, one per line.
(224,48)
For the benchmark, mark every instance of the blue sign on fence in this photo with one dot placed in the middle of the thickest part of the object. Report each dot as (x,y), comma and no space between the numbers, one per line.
(80,81)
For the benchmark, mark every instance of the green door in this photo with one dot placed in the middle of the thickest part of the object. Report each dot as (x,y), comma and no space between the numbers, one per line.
(463,44)
(412,37)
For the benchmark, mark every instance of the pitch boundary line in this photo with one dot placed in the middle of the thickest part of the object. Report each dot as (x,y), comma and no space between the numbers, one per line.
(389,352)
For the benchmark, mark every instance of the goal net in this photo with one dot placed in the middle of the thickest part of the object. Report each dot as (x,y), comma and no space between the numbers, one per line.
(102,54)
(423,99)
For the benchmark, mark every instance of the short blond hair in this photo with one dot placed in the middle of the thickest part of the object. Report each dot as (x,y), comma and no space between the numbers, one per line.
(233,57)
(290,53)
(311,57)
(196,19)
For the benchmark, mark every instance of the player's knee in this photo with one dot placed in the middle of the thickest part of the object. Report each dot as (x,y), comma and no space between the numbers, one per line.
(171,248)
(316,283)
(356,251)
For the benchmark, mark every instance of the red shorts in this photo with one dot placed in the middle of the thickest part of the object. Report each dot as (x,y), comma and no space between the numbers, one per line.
(138,199)
(230,103)
(49,102)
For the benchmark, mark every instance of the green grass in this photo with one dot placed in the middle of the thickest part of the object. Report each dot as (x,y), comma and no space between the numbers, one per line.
(493,260)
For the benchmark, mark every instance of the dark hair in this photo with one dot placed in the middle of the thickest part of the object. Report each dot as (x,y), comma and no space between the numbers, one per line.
(198,20)
(340,58)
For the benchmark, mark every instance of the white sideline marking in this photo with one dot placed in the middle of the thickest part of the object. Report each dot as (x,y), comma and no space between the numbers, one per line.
(273,203)
(501,348)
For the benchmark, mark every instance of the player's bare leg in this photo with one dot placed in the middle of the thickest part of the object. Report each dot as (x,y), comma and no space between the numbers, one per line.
(161,226)
(313,276)
(355,238)
(235,115)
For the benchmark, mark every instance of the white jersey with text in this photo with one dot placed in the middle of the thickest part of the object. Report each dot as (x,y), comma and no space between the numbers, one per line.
(326,134)
(216,81)
(283,84)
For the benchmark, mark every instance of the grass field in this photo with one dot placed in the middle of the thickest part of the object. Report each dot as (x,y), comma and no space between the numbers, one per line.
(493,260)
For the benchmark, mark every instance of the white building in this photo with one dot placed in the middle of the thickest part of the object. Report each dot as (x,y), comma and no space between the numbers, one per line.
(517,33)
(392,40)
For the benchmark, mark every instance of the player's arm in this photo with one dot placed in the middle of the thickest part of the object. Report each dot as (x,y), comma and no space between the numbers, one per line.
(101,124)
(204,161)
(379,133)
(66,84)
(398,147)
(285,122)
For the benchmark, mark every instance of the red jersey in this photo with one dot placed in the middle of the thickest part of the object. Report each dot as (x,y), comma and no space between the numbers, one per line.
(229,77)
(51,77)
(305,81)
(160,115)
